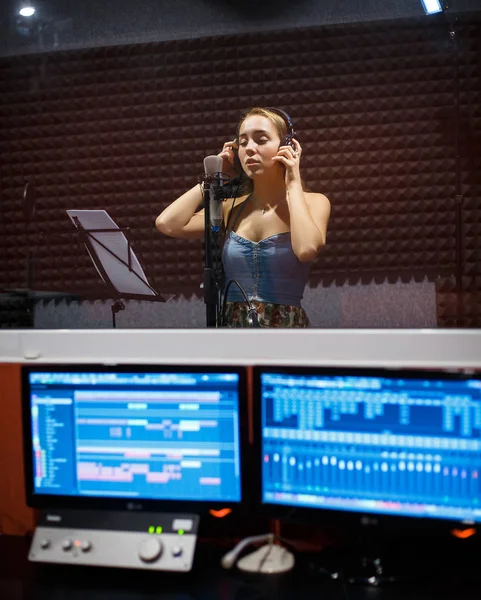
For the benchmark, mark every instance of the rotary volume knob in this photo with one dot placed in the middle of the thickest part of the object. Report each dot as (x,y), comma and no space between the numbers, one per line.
(150,550)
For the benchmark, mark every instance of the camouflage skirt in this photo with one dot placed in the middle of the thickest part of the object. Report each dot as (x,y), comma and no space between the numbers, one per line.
(269,315)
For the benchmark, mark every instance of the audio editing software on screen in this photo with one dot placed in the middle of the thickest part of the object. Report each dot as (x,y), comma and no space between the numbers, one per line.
(372,444)
(172,436)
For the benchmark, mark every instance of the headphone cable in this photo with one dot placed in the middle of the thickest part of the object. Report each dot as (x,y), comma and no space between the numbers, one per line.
(252,316)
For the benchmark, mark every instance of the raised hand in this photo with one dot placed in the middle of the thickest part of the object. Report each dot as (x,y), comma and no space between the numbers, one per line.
(228,154)
(290,158)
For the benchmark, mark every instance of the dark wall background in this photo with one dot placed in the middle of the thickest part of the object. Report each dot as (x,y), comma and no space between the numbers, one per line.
(388,115)
(73,24)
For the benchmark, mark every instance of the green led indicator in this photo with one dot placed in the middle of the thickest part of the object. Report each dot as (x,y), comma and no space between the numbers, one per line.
(181,532)
(151,529)
(158,529)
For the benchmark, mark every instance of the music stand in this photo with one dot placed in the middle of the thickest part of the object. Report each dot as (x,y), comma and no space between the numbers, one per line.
(112,255)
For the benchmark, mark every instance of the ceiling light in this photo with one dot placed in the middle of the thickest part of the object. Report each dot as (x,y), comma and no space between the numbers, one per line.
(27,11)
(432,7)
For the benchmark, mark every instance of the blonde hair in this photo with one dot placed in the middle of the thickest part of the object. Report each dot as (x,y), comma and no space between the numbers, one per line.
(276,119)
(247,185)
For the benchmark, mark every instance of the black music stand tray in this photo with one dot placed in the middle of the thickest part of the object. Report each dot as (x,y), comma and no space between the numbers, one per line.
(116,263)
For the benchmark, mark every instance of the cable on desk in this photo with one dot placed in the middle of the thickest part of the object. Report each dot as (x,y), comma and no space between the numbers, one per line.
(20,526)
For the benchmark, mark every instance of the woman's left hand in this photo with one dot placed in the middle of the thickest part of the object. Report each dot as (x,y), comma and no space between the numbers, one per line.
(291,159)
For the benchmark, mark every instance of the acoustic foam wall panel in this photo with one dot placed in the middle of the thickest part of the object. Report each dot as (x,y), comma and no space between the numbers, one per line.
(126,129)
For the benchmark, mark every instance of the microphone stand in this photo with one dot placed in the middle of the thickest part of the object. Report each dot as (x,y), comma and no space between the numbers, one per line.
(213,271)
(212,264)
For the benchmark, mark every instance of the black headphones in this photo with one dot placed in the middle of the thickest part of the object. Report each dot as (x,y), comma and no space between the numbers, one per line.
(287,141)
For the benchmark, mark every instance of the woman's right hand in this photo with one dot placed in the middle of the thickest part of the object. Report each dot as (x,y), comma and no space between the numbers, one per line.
(228,154)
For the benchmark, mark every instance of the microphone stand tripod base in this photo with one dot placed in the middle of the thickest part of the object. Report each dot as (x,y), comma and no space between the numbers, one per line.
(269,559)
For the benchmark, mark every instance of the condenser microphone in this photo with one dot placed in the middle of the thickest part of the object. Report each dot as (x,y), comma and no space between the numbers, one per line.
(213,173)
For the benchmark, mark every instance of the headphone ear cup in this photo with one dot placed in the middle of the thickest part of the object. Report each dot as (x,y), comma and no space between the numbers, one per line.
(287,141)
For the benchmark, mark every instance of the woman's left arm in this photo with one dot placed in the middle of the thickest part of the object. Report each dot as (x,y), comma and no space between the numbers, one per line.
(309,213)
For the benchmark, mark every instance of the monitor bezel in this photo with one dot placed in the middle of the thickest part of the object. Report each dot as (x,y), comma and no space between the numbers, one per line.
(344,519)
(57,501)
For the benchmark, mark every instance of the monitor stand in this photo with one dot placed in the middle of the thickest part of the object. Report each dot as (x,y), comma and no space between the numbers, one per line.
(360,569)
(365,562)
(405,555)
(125,539)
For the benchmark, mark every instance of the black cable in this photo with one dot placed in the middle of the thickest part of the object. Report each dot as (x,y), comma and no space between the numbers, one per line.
(337,576)
(17,524)
(265,557)
(252,316)
(229,190)
(230,212)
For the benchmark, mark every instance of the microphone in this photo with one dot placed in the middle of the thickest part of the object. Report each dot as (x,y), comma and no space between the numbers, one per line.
(213,174)
(229,559)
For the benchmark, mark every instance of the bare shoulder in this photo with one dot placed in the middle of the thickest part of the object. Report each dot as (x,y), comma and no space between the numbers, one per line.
(320,209)
(313,198)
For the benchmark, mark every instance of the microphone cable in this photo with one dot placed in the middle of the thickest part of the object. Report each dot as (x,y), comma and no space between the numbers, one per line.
(252,316)
(230,189)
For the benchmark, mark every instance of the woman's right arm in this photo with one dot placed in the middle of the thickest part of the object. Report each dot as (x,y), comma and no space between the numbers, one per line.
(180,218)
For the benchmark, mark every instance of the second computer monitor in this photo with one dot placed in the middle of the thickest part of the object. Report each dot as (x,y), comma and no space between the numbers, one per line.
(381,442)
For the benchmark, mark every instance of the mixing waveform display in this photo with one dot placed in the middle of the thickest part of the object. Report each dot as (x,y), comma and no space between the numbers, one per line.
(372,444)
(159,436)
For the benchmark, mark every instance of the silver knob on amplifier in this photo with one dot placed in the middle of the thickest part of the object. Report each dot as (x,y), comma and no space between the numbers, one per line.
(150,549)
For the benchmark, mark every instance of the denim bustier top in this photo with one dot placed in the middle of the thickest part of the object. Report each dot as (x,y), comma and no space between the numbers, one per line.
(268,270)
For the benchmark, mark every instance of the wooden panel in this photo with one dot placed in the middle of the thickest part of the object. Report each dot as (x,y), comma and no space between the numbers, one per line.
(15,516)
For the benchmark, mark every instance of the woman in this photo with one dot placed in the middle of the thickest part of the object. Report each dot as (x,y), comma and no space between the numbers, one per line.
(274,230)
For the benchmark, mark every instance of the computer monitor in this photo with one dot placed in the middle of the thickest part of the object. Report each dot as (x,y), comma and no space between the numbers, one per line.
(134,437)
(363,443)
